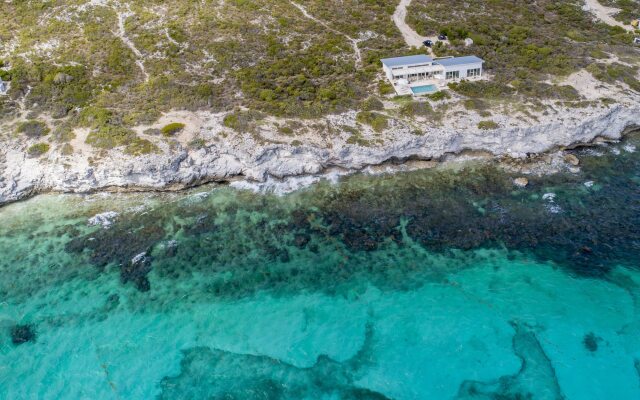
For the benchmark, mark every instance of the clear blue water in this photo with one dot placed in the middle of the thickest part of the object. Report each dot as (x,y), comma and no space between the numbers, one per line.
(424,89)
(438,284)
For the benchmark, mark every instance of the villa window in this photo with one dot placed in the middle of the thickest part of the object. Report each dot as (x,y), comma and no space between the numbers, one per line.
(473,72)
(453,75)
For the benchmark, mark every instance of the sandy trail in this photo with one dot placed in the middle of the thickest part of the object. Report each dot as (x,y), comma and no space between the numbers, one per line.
(605,14)
(411,37)
(123,36)
(354,42)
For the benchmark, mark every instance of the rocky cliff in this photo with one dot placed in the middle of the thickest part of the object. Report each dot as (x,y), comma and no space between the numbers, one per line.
(179,167)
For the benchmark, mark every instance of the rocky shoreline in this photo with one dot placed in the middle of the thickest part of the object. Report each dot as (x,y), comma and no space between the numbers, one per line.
(178,167)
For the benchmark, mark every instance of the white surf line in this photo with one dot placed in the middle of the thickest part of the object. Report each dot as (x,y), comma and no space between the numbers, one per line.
(122,16)
(411,37)
(354,42)
(605,14)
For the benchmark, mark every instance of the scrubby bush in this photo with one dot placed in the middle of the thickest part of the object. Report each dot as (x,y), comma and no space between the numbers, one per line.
(483,89)
(110,136)
(488,125)
(172,129)
(377,121)
(439,95)
(416,108)
(66,149)
(34,128)
(138,146)
(385,88)
(372,104)
(38,149)
(285,130)
(242,121)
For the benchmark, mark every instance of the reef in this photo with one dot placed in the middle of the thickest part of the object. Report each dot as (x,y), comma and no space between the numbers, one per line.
(21,334)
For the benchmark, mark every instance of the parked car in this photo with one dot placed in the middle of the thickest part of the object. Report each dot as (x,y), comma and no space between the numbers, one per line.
(428,43)
(442,37)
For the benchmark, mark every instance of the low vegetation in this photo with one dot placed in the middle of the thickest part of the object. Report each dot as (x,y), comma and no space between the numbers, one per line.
(172,129)
(258,58)
(33,129)
(629,9)
(488,125)
(38,149)
(523,42)
(375,120)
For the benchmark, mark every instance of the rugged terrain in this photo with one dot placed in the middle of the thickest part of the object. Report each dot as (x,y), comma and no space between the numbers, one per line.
(149,95)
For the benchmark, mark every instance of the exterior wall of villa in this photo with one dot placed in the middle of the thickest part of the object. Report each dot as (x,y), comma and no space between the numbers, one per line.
(406,72)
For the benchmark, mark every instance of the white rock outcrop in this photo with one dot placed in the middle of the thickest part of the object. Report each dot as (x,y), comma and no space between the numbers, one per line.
(177,168)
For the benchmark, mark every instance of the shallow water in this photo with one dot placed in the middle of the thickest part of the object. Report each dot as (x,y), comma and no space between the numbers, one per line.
(439,284)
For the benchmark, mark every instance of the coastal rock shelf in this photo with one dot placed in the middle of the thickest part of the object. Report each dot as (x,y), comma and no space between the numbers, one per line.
(22,176)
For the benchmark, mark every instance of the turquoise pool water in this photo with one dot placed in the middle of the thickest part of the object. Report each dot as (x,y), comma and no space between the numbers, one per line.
(424,89)
(437,284)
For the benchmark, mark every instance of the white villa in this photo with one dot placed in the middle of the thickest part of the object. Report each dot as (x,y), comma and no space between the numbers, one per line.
(421,74)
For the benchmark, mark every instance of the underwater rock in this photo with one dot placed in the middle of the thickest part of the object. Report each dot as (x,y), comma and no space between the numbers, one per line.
(104,219)
(171,248)
(301,240)
(21,334)
(536,372)
(207,373)
(591,341)
(136,271)
(113,301)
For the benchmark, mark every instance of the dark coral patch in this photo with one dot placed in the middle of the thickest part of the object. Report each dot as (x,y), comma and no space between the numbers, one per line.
(591,341)
(21,334)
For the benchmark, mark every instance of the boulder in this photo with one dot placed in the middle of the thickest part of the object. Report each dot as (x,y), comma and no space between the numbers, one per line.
(521,182)
(572,160)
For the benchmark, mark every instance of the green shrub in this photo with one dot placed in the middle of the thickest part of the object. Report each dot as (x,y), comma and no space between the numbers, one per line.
(439,95)
(358,140)
(475,104)
(285,130)
(416,108)
(231,121)
(110,136)
(172,129)
(482,89)
(377,121)
(197,144)
(372,104)
(242,121)
(38,149)
(34,129)
(488,125)
(138,146)
(385,88)
(66,150)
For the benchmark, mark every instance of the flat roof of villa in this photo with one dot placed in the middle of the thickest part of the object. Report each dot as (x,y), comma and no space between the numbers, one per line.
(449,62)
(408,60)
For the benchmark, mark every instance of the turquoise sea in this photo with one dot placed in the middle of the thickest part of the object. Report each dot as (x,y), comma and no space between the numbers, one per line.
(449,283)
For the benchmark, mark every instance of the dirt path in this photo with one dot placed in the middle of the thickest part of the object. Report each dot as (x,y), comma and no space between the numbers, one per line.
(411,37)
(122,34)
(605,14)
(354,42)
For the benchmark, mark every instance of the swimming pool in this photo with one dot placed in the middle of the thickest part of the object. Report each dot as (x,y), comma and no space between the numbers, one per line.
(424,89)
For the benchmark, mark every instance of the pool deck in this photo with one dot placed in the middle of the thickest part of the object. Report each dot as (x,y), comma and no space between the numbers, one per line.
(404,89)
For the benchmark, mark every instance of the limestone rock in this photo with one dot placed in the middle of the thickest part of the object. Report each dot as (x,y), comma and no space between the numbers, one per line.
(521,182)
(177,166)
(572,160)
